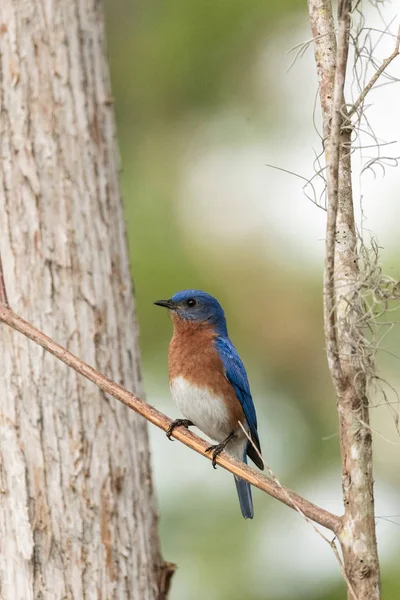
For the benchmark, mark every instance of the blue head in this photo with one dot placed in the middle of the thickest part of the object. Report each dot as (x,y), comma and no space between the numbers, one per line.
(198,306)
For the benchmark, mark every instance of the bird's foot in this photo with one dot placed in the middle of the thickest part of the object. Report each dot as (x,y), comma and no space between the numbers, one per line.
(216,449)
(178,423)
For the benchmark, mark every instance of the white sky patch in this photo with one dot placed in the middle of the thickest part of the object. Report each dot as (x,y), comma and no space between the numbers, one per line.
(228,194)
(290,545)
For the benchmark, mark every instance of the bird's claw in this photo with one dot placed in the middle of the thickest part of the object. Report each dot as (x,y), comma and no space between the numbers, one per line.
(177,423)
(216,449)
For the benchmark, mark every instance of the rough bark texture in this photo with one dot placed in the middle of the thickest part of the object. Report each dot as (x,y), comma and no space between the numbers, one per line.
(77,517)
(342,306)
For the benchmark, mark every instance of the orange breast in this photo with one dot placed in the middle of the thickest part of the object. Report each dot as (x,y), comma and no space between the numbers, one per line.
(192,355)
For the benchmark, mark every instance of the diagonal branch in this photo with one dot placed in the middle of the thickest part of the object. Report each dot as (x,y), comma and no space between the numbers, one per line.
(291,499)
(375,77)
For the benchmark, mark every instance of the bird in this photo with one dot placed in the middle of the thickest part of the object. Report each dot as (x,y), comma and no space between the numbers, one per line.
(209,383)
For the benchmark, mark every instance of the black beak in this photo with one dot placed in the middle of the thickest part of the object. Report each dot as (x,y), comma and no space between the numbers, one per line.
(166,304)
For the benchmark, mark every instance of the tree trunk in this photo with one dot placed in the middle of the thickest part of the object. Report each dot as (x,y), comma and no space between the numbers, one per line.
(77,515)
(344,308)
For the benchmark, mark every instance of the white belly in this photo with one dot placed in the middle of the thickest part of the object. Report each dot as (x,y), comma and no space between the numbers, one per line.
(207,411)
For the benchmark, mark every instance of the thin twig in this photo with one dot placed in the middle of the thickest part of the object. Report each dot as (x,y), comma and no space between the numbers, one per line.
(331,333)
(375,77)
(336,552)
(323,30)
(291,499)
(367,426)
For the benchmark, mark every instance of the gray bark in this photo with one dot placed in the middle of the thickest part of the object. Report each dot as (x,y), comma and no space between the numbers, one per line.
(77,515)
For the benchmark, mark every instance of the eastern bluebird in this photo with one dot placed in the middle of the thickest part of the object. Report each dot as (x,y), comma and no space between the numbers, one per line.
(209,383)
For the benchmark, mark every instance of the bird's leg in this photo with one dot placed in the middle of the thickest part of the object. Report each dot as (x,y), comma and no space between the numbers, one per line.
(178,423)
(217,448)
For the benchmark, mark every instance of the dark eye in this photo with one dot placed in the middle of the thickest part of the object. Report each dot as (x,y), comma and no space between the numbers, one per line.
(191,302)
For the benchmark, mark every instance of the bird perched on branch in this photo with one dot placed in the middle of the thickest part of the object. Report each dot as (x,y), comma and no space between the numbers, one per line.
(209,383)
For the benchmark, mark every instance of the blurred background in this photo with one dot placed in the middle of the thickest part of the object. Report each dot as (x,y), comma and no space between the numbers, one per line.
(207,96)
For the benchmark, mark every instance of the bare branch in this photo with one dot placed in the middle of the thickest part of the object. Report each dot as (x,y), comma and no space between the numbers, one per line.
(323,30)
(346,312)
(291,499)
(375,77)
(339,75)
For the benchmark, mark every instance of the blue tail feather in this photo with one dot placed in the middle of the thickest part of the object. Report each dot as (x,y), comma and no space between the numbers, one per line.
(246,501)
(244,492)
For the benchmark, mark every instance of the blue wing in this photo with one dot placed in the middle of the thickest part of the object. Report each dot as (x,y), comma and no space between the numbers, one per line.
(236,374)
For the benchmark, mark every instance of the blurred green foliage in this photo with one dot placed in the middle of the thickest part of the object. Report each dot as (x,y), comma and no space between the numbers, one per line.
(174,65)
